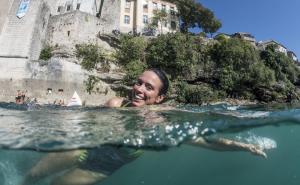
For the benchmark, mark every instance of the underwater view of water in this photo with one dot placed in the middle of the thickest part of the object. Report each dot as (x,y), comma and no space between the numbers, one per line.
(30,132)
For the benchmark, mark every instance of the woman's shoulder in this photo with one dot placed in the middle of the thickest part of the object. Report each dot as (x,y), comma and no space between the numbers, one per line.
(115,102)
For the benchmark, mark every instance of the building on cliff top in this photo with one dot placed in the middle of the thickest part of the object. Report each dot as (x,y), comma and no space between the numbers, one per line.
(245,36)
(262,45)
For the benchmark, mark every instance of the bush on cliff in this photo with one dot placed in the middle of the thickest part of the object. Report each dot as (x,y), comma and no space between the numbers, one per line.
(195,94)
(46,53)
(90,83)
(239,70)
(134,69)
(131,55)
(284,67)
(131,49)
(92,56)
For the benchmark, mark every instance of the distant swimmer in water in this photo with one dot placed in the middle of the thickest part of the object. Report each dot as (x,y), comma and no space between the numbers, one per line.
(87,167)
(18,97)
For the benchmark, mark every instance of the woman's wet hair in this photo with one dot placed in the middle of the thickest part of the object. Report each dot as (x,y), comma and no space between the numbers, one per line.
(163,78)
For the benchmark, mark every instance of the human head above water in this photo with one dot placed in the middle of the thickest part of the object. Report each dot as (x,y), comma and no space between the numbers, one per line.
(163,78)
(151,88)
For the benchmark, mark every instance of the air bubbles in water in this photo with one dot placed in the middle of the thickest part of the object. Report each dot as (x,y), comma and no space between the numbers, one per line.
(232,107)
(262,142)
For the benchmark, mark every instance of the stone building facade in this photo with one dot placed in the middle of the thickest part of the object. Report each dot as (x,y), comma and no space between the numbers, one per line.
(23,38)
(68,26)
(4,8)
(262,45)
(137,15)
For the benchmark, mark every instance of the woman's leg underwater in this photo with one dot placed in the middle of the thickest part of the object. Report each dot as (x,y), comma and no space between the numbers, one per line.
(52,163)
(79,176)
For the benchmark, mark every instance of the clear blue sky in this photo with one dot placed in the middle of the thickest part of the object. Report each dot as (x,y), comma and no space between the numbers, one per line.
(264,19)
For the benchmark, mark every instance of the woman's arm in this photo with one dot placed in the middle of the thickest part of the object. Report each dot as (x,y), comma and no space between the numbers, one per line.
(114,102)
(222,144)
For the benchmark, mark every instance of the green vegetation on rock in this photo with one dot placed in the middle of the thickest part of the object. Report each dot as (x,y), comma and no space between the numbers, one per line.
(46,53)
(92,56)
(210,70)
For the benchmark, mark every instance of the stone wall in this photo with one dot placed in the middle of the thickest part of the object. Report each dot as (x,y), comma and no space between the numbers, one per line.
(76,27)
(52,4)
(37,77)
(21,38)
(4,9)
(110,16)
(13,69)
(39,31)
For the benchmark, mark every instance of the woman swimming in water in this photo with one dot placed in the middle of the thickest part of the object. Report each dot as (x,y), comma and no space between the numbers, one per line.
(86,167)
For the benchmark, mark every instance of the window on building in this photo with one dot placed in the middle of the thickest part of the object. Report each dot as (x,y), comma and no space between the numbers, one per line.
(172,11)
(78,6)
(163,7)
(68,7)
(127,19)
(154,6)
(127,4)
(165,23)
(49,90)
(155,22)
(173,25)
(44,23)
(145,6)
(68,33)
(145,19)
(59,9)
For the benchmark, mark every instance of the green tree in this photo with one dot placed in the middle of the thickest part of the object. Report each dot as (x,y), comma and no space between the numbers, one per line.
(207,21)
(234,60)
(192,14)
(133,69)
(173,53)
(131,49)
(131,55)
(284,67)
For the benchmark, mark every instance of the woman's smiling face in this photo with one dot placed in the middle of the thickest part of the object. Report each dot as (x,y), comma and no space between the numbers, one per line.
(146,90)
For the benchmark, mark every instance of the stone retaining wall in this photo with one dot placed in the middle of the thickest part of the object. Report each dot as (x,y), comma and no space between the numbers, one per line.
(37,79)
